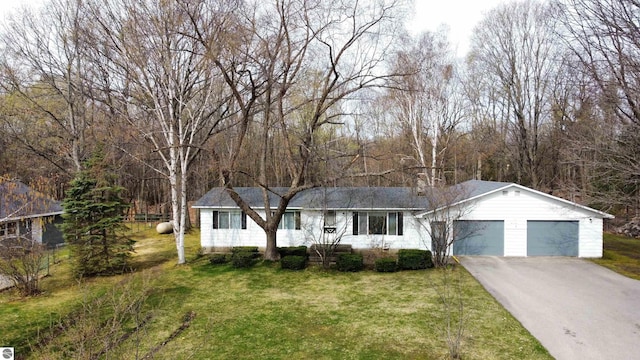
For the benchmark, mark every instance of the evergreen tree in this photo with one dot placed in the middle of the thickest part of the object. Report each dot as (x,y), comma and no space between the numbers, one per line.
(92,226)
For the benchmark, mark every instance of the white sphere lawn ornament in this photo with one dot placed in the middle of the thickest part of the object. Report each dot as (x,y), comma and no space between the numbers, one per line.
(165,227)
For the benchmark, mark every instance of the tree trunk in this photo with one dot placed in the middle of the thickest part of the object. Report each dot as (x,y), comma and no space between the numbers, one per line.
(178,225)
(271,252)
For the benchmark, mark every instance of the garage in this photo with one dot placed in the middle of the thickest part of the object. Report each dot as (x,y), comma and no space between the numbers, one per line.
(477,237)
(507,219)
(553,238)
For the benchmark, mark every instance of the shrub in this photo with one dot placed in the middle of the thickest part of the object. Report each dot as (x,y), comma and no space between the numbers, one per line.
(244,259)
(414,259)
(220,258)
(293,262)
(250,249)
(350,262)
(293,251)
(387,264)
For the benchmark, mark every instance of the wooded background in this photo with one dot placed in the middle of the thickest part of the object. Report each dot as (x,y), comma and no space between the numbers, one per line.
(185,95)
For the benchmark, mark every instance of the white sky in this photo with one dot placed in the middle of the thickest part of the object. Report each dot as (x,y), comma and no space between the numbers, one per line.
(7,6)
(460,16)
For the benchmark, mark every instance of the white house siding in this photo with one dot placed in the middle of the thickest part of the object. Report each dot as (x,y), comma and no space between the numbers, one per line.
(253,235)
(516,206)
(312,230)
(36,229)
(590,237)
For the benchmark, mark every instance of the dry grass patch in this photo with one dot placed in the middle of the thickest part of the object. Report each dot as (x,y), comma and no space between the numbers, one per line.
(622,255)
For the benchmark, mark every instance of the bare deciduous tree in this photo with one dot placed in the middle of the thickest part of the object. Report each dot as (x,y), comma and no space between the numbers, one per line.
(439,223)
(21,260)
(292,69)
(163,84)
(325,231)
(426,104)
(604,37)
(44,67)
(515,47)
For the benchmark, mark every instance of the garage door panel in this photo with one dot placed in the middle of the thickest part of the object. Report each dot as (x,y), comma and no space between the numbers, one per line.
(552,238)
(479,238)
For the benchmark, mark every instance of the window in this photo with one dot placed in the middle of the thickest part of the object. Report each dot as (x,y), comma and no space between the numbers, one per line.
(393,223)
(229,220)
(290,221)
(330,221)
(377,223)
(8,229)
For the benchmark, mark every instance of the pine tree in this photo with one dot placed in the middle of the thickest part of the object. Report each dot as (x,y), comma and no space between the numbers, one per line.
(93,222)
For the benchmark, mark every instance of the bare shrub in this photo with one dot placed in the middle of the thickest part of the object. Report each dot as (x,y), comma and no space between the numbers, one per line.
(21,262)
(101,323)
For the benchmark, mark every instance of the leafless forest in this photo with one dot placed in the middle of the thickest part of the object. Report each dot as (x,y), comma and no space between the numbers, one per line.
(184,95)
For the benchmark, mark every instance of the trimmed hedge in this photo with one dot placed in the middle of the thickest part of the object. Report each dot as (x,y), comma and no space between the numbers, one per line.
(293,251)
(414,259)
(251,249)
(293,262)
(350,262)
(242,259)
(244,256)
(220,258)
(387,264)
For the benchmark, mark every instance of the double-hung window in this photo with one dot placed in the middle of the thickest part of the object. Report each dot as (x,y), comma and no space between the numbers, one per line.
(378,223)
(229,220)
(330,221)
(290,221)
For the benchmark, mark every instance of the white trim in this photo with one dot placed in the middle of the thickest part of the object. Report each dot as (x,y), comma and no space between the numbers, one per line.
(31,216)
(309,208)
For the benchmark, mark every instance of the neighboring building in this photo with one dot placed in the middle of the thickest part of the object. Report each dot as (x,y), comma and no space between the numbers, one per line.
(506,219)
(28,213)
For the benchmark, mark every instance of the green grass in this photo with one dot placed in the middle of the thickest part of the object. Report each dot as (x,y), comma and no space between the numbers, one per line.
(622,255)
(263,312)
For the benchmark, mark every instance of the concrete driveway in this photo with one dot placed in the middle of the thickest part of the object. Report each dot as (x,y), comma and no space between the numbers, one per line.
(577,309)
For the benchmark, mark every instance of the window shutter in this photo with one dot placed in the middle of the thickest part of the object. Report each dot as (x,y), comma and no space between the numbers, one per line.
(215,219)
(400,223)
(244,221)
(355,223)
(297,219)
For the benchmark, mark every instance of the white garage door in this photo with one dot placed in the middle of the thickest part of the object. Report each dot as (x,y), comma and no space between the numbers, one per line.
(552,238)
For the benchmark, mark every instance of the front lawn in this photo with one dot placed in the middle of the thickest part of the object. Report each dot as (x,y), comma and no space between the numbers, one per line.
(204,311)
(621,254)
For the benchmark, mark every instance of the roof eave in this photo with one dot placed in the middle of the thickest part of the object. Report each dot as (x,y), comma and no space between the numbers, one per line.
(32,216)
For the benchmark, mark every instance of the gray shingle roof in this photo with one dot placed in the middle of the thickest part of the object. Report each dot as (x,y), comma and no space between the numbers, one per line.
(473,188)
(324,198)
(17,200)
(370,198)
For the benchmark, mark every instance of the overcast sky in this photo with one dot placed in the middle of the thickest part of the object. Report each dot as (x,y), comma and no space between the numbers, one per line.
(460,16)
